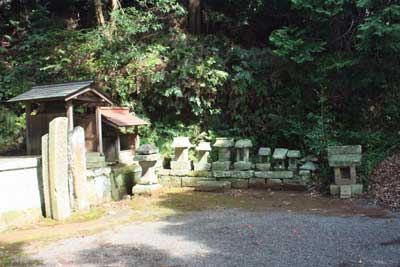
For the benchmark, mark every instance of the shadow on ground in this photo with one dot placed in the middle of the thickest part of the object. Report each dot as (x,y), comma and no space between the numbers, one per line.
(12,255)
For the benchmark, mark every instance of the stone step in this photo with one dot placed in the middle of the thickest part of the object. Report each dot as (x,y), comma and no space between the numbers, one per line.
(212,186)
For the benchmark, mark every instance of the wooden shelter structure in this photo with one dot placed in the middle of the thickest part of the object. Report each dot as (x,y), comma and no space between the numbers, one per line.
(84,106)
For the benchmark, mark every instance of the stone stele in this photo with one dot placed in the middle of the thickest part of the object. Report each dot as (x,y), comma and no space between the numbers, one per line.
(58,168)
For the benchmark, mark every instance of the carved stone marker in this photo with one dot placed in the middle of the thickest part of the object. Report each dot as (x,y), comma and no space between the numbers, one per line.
(78,168)
(45,175)
(58,168)
(181,162)
(264,163)
(203,151)
(243,154)
(224,146)
(279,158)
(293,156)
(343,160)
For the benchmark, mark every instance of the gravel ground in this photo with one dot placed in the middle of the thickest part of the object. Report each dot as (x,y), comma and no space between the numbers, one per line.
(234,237)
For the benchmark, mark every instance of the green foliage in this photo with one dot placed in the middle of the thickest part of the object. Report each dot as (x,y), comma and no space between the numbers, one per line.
(292,73)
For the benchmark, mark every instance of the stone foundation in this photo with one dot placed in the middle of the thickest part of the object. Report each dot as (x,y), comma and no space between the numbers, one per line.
(276,180)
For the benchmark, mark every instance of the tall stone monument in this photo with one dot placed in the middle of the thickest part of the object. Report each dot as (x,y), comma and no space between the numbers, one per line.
(58,169)
(181,164)
(147,155)
(203,151)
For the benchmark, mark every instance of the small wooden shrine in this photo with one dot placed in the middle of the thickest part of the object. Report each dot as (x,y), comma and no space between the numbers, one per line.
(84,106)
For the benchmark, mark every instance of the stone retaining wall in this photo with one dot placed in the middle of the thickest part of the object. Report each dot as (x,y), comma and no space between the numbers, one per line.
(239,179)
(20,191)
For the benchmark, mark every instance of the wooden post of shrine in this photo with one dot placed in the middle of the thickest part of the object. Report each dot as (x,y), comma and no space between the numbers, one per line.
(99,131)
(28,127)
(70,115)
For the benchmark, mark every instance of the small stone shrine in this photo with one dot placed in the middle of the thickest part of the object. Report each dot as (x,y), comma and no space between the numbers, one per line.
(264,163)
(203,151)
(181,163)
(242,147)
(343,160)
(279,158)
(147,156)
(224,146)
(293,159)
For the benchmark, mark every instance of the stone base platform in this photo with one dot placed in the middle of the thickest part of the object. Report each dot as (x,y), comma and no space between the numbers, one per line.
(213,186)
(221,165)
(242,165)
(199,166)
(276,180)
(346,191)
(148,190)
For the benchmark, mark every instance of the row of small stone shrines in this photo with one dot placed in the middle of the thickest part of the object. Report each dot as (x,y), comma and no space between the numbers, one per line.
(281,171)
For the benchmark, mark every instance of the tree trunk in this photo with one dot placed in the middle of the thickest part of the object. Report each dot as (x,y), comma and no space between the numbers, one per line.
(99,12)
(195,21)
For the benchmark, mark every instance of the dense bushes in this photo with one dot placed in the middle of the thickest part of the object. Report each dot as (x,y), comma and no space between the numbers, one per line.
(302,74)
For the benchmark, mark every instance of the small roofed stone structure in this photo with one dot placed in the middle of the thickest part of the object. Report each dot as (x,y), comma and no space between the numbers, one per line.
(279,158)
(293,157)
(101,122)
(224,146)
(203,151)
(343,160)
(264,154)
(181,162)
(147,155)
(242,147)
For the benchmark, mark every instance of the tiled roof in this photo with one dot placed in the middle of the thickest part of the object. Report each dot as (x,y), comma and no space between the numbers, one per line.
(120,117)
(61,90)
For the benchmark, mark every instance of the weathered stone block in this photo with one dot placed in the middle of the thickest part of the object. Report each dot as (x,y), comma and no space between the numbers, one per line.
(45,175)
(242,174)
(170,181)
(223,142)
(201,166)
(200,174)
(275,184)
(221,166)
(78,167)
(181,165)
(179,172)
(163,171)
(257,183)
(263,166)
(224,154)
(294,184)
(345,191)
(122,180)
(274,174)
(213,186)
(334,189)
(242,165)
(238,183)
(194,181)
(221,174)
(152,157)
(146,189)
(356,189)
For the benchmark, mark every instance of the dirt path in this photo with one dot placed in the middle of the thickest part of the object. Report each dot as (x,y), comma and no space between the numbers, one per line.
(185,228)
